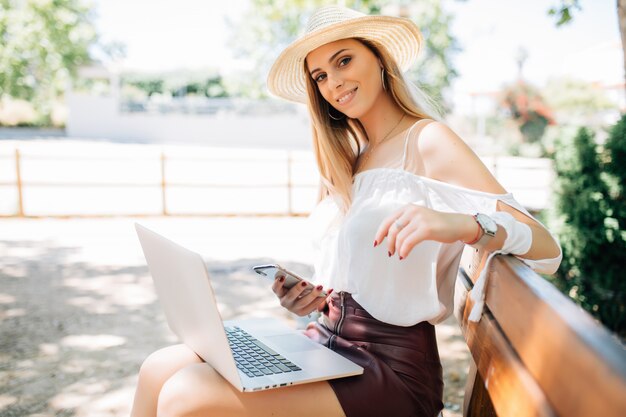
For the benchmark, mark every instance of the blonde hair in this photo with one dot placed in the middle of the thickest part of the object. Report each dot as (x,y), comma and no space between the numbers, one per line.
(336,142)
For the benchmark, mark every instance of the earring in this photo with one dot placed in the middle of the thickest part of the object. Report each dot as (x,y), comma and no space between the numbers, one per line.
(330,114)
(382,77)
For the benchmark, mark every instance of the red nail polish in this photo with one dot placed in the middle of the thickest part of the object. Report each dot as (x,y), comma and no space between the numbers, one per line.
(389,253)
(319,287)
(375,243)
(330,291)
(303,283)
(281,279)
(401,258)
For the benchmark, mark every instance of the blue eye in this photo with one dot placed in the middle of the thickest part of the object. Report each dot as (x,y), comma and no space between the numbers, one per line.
(345,61)
(320,78)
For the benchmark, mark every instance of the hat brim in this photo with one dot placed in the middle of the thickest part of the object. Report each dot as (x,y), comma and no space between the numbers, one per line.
(399,36)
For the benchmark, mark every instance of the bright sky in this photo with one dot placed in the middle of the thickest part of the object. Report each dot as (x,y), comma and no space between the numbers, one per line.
(171,34)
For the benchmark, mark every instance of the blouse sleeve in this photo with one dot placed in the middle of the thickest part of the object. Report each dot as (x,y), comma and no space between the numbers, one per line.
(451,198)
(544,266)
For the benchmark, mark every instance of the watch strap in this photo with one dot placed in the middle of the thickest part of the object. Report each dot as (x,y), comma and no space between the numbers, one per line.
(479,233)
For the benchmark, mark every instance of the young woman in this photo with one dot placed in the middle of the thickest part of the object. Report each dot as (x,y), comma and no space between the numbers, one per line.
(401,196)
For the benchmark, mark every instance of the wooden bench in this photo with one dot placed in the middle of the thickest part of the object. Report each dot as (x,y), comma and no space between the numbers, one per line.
(535,352)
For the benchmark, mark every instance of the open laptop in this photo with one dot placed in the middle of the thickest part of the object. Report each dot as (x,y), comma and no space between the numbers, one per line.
(253,354)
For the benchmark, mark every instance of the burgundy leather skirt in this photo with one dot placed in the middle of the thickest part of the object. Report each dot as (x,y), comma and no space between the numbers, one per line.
(403,375)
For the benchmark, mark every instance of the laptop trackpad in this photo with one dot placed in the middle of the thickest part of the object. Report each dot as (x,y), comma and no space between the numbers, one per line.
(292,343)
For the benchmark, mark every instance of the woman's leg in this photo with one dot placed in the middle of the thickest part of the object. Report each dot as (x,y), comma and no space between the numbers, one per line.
(155,370)
(181,384)
(198,390)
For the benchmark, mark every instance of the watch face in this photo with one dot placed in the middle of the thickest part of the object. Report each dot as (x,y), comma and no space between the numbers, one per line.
(487,223)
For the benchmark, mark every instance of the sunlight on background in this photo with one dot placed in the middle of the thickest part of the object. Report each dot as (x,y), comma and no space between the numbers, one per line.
(156,112)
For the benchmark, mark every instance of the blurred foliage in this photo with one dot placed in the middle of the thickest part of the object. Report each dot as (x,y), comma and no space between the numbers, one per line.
(149,85)
(269,26)
(575,100)
(43,42)
(564,11)
(527,107)
(17,112)
(590,220)
(205,83)
(614,163)
(90,85)
(575,103)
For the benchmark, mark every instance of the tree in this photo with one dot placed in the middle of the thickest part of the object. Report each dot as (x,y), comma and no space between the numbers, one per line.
(207,83)
(576,97)
(576,101)
(43,42)
(270,26)
(528,109)
(615,168)
(592,224)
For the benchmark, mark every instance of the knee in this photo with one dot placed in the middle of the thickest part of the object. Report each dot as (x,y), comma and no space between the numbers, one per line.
(161,364)
(152,367)
(182,396)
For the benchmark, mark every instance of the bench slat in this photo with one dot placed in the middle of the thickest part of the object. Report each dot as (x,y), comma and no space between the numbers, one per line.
(575,361)
(513,391)
(476,401)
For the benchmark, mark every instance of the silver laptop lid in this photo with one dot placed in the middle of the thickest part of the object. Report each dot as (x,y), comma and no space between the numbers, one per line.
(189,302)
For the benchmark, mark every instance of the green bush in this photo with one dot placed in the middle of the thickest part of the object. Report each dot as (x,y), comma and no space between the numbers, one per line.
(591,210)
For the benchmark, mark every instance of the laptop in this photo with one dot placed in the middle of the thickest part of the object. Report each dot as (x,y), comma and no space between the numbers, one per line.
(251,354)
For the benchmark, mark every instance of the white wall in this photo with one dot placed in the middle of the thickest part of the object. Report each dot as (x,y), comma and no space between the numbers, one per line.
(94,117)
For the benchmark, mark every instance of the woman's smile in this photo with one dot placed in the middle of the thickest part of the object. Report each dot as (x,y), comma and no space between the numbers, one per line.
(346,97)
(347,74)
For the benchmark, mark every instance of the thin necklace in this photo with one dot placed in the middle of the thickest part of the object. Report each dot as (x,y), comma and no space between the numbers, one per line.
(388,135)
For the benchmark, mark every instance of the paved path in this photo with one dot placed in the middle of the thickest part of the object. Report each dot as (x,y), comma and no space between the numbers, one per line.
(78,311)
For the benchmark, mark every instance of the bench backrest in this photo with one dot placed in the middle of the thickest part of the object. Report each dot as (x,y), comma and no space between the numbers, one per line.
(534,351)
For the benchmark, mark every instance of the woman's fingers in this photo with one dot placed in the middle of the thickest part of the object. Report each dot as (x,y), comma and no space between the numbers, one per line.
(293,294)
(398,231)
(407,239)
(404,229)
(389,229)
(383,229)
(308,303)
(277,286)
(297,300)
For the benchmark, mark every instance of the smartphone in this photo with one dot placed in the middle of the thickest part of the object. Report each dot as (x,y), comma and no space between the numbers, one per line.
(271,271)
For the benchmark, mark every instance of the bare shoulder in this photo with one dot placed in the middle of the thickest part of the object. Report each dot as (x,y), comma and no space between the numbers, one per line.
(435,136)
(448,158)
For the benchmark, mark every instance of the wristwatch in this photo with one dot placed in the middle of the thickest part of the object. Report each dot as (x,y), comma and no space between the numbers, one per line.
(489,228)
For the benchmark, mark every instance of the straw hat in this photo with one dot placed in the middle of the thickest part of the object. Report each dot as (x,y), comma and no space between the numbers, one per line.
(400,37)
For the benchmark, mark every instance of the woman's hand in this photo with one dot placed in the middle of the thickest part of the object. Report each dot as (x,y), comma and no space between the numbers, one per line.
(293,300)
(421,223)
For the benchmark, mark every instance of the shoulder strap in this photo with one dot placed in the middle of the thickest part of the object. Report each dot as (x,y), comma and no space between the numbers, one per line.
(406,141)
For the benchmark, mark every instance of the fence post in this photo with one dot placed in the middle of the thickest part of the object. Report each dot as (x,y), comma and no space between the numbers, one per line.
(289,190)
(18,183)
(163,185)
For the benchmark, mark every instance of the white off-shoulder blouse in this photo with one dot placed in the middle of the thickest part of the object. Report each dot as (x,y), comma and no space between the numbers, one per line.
(421,286)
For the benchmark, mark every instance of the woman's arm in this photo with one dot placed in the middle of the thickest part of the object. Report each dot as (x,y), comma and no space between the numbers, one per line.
(448,159)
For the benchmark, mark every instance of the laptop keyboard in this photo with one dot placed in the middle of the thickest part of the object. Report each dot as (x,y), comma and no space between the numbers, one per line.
(254,358)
